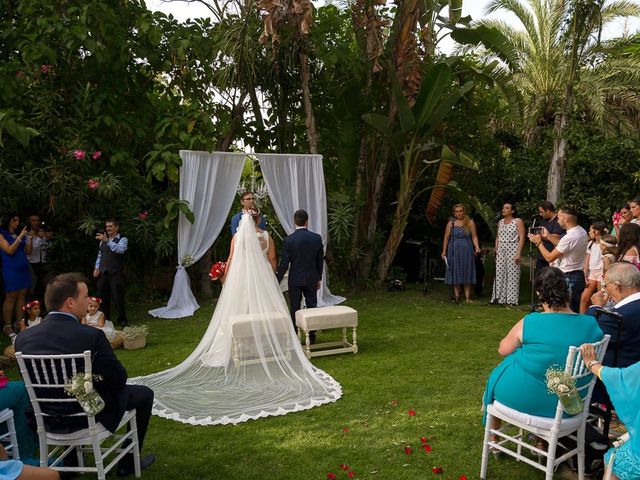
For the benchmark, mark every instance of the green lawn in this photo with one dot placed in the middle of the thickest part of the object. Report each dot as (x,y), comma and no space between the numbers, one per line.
(419,353)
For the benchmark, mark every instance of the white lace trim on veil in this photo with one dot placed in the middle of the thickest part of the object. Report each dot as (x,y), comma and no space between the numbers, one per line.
(249,363)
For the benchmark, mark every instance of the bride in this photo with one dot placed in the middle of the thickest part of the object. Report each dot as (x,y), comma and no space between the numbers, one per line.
(249,363)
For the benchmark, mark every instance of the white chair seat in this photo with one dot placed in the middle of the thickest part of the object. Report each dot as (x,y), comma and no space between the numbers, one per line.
(568,425)
(80,436)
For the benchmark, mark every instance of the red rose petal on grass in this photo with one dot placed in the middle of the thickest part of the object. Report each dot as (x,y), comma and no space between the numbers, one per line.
(411,413)
(423,439)
(437,470)
(344,467)
(345,429)
(351,475)
(96,154)
(407,450)
(427,448)
(331,476)
(462,477)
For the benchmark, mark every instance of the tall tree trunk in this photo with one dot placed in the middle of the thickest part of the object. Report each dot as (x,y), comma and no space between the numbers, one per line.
(558,165)
(310,121)
(237,115)
(371,211)
(403,208)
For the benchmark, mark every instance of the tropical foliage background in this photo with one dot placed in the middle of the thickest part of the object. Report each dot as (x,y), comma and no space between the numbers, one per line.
(97,98)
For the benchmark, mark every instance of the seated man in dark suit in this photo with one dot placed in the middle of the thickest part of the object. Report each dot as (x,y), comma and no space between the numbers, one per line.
(67,298)
(622,285)
(303,256)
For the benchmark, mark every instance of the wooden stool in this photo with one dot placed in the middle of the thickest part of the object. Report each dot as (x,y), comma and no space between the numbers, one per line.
(324,318)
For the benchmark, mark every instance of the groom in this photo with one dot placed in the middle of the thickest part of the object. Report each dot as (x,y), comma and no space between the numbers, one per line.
(303,255)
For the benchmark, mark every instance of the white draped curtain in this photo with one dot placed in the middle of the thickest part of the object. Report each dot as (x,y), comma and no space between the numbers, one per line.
(297,182)
(208,181)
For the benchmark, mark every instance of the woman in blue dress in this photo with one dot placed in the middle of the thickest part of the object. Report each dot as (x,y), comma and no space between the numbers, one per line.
(458,249)
(623,387)
(538,341)
(15,270)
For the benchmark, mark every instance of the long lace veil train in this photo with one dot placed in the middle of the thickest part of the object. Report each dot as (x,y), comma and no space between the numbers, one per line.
(249,363)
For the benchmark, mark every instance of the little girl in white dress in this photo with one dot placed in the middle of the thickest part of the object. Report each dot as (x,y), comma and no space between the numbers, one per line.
(31,315)
(95,318)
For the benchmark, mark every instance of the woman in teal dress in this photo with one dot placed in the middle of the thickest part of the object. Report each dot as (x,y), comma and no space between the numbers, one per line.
(535,343)
(623,386)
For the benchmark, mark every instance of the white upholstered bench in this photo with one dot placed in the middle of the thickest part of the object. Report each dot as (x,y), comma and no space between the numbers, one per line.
(325,318)
(248,329)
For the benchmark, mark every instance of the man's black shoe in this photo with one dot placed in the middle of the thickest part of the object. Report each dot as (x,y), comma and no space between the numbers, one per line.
(312,337)
(144,463)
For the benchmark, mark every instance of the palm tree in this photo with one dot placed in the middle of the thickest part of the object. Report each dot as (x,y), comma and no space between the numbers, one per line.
(556,58)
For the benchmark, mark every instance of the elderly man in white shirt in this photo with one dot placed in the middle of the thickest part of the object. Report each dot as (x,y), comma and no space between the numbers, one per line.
(569,254)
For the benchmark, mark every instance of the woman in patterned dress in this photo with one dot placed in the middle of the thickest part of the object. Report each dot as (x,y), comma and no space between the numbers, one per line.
(458,248)
(509,243)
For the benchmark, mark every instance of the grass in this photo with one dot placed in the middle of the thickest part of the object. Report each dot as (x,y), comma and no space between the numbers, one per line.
(419,353)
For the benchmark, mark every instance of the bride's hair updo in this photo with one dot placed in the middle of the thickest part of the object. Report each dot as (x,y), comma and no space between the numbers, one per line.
(552,287)
(255,214)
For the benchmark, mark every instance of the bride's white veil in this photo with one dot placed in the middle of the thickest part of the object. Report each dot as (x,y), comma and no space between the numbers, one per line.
(249,363)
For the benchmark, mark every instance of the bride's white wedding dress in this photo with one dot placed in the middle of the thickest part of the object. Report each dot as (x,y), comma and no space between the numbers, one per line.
(249,363)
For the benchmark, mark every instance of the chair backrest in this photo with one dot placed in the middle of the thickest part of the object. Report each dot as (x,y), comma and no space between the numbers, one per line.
(579,372)
(45,377)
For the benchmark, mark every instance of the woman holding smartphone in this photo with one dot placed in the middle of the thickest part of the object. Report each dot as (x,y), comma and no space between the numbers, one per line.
(15,270)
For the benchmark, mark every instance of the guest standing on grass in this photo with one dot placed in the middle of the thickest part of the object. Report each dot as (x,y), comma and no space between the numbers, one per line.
(109,270)
(14,246)
(458,250)
(553,231)
(593,264)
(509,243)
(570,252)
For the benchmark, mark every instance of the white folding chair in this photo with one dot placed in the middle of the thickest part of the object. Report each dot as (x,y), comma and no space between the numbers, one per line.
(44,377)
(608,473)
(9,439)
(549,429)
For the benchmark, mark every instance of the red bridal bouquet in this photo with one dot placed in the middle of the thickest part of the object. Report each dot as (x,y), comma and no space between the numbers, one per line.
(217,270)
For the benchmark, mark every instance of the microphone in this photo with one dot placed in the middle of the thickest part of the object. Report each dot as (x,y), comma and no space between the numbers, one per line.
(534,220)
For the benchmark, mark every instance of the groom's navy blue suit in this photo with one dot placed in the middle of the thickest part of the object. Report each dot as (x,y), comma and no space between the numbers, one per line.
(303,255)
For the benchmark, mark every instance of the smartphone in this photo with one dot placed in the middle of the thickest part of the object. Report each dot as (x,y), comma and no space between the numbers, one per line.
(535,230)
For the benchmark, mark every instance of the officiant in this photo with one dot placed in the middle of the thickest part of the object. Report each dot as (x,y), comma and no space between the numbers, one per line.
(247,200)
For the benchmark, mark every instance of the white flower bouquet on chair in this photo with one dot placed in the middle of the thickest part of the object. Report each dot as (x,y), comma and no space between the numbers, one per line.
(81,387)
(561,383)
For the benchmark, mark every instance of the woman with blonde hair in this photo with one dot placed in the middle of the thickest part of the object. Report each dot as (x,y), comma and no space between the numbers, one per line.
(458,249)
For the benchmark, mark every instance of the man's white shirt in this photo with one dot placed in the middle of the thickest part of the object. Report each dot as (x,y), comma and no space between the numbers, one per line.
(573,247)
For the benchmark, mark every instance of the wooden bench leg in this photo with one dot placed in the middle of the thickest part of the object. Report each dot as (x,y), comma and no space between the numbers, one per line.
(307,348)
(355,341)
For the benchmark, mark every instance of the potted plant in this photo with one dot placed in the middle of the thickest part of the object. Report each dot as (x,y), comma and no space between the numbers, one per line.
(135,337)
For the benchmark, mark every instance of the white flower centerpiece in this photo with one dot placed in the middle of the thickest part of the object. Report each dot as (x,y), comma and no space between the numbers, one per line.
(561,383)
(135,337)
(81,387)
